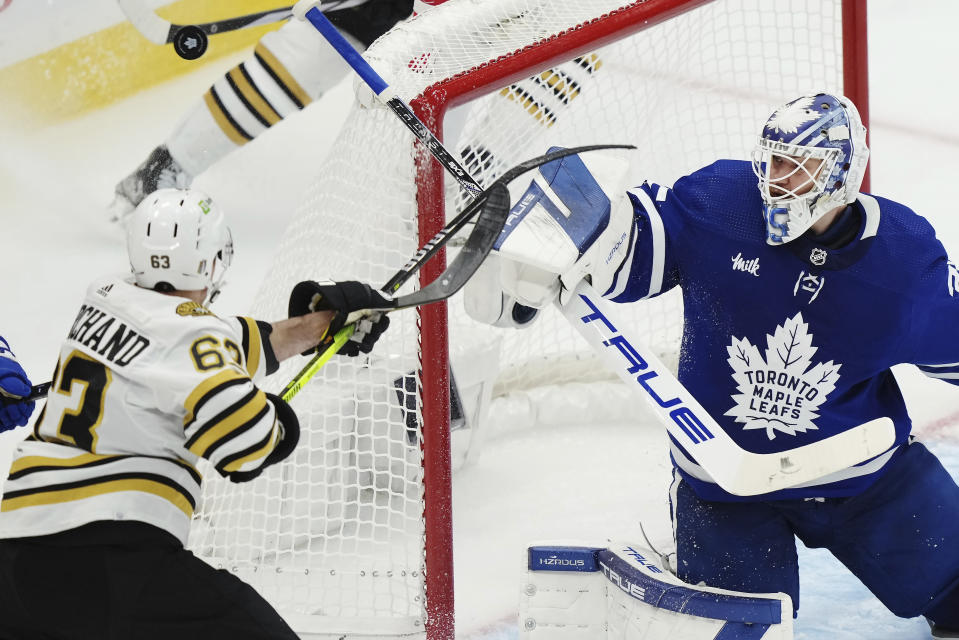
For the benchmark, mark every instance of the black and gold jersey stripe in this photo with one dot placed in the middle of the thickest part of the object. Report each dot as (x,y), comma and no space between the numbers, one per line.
(226,122)
(93,475)
(281,76)
(252,343)
(251,97)
(151,483)
(230,422)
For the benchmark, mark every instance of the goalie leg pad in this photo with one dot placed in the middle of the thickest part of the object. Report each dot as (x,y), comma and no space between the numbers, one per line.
(575,593)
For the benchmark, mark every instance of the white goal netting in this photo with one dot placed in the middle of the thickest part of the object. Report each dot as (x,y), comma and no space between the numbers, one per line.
(336,537)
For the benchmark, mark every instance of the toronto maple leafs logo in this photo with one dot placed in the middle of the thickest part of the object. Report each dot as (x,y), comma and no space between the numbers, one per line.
(782,391)
(790,117)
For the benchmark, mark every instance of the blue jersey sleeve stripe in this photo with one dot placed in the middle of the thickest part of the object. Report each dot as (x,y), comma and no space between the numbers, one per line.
(658,233)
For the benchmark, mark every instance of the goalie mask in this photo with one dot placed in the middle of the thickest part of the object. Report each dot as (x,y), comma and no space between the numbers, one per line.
(178,239)
(810,159)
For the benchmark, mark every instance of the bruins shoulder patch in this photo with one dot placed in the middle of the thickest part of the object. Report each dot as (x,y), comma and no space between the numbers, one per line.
(192,309)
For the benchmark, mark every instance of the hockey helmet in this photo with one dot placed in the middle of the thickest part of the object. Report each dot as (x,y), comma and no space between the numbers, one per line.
(820,140)
(177,239)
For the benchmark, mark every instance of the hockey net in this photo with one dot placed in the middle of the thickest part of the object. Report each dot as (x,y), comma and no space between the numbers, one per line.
(352,536)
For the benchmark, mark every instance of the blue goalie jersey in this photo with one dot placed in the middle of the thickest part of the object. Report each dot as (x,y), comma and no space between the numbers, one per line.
(786,345)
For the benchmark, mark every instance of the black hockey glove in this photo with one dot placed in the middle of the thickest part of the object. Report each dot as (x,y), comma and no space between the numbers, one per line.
(343,298)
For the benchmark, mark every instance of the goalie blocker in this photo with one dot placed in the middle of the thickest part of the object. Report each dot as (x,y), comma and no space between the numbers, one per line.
(590,593)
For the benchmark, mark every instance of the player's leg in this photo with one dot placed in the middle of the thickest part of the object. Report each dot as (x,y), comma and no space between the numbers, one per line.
(180,596)
(290,68)
(900,537)
(741,546)
(112,580)
(35,578)
(54,586)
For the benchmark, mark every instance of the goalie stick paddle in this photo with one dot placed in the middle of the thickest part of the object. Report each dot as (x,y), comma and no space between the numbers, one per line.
(493,204)
(738,471)
(310,10)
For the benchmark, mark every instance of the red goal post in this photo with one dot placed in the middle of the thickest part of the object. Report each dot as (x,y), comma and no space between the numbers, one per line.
(353,536)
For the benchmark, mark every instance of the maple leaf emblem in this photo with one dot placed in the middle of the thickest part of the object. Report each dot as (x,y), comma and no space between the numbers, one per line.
(789,118)
(781,392)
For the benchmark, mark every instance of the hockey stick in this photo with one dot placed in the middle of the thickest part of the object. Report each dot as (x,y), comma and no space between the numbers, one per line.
(495,210)
(310,10)
(39,391)
(160,31)
(493,204)
(735,469)
(459,221)
(190,40)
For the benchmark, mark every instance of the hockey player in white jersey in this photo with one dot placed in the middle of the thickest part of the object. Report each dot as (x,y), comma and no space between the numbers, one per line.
(15,410)
(799,296)
(99,497)
(289,69)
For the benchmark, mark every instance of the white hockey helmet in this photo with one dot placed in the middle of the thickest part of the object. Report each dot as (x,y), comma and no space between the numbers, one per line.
(178,239)
(821,138)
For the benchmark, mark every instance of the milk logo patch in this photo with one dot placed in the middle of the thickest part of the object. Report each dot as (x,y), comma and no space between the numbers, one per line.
(742,264)
(780,391)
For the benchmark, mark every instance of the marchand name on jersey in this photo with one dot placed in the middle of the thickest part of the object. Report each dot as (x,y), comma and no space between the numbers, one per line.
(98,331)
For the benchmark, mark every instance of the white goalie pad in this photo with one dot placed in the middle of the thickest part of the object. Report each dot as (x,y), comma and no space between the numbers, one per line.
(622,592)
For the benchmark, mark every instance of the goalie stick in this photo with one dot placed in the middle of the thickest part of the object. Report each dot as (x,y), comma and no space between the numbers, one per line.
(310,10)
(493,204)
(735,469)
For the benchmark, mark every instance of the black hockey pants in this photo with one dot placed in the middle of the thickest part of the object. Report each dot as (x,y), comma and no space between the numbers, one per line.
(124,580)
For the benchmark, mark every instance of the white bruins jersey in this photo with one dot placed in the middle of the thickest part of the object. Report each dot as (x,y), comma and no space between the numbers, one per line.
(146,384)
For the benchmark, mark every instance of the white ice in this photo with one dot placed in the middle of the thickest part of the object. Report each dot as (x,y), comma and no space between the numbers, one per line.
(548,480)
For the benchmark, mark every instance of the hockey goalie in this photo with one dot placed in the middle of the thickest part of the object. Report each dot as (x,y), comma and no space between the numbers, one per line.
(800,294)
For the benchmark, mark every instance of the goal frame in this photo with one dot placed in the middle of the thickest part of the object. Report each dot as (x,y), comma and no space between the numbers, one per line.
(431,107)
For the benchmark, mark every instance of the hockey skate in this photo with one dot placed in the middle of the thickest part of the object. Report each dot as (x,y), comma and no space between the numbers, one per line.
(158,171)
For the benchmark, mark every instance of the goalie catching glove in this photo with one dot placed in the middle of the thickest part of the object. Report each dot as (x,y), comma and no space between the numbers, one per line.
(575,221)
(343,298)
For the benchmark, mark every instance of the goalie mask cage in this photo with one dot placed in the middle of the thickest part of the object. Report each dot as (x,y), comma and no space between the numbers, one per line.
(352,536)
